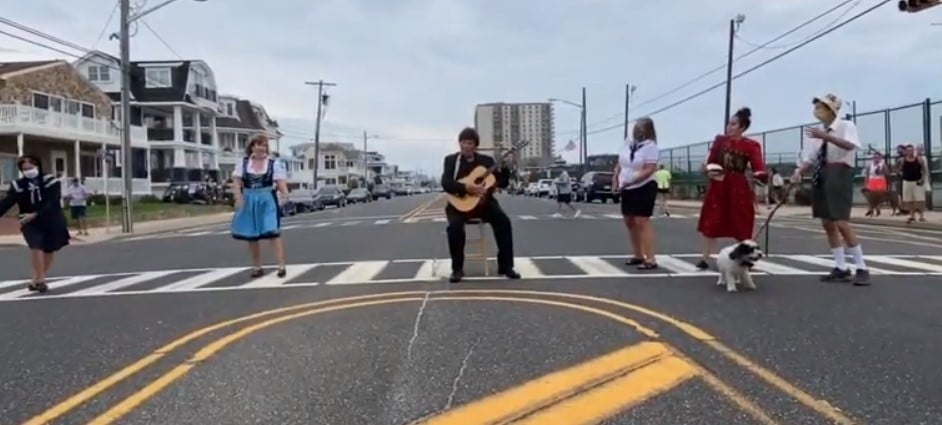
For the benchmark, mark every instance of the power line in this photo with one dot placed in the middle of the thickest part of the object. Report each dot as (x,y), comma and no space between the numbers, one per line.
(744,55)
(161,39)
(787,45)
(746,72)
(104,29)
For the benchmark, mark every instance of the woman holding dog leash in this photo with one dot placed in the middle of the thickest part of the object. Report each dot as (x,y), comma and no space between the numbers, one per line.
(729,208)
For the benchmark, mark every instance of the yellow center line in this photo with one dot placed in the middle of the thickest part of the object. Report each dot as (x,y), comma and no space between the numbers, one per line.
(422,207)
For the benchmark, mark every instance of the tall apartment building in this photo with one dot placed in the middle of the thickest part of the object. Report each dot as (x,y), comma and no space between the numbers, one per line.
(500,125)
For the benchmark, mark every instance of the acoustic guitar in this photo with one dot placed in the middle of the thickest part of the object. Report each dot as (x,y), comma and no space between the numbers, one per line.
(480,175)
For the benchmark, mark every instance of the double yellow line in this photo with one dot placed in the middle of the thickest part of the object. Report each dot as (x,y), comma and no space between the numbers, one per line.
(422,207)
(583,394)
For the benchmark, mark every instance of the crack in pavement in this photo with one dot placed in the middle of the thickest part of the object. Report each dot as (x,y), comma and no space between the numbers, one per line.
(461,369)
(415,330)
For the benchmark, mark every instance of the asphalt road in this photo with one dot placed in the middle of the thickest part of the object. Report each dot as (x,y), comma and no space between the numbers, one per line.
(364,331)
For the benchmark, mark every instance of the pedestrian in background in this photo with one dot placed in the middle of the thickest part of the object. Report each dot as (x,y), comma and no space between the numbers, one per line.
(564,194)
(729,208)
(663,178)
(875,189)
(257,184)
(831,157)
(634,177)
(42,222)
(914,172)
(78,194)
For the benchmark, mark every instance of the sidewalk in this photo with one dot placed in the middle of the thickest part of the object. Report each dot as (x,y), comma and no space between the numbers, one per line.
(99,234)
(857,215)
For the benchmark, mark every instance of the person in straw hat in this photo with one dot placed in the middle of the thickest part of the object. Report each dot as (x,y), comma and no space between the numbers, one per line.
(830,156)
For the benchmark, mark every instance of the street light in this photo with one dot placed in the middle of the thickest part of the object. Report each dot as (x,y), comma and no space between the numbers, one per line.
(734,25)
(126,20)
(582,125)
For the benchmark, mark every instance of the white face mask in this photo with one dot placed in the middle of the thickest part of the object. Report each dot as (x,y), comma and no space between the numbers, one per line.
(32,173)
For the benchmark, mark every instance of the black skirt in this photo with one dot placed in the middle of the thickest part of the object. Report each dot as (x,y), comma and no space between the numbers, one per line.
(639,202)
(49,235)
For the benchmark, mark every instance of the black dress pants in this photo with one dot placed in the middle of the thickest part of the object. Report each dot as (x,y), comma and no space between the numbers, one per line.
(489,212)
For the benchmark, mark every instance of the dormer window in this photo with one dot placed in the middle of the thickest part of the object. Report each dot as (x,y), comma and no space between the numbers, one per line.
(230,111)
(158,78)
(99,73)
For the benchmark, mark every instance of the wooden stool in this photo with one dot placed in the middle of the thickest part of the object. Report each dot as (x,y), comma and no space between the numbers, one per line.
(476,246)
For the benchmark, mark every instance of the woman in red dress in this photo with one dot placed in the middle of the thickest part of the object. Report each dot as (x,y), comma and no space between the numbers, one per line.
(729,209)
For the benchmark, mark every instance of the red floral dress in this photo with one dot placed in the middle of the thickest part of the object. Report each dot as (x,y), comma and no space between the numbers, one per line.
(728,210)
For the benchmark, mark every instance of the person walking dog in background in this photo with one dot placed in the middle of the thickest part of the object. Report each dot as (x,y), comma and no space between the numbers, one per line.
(39,199)
(831,158)
(634,176)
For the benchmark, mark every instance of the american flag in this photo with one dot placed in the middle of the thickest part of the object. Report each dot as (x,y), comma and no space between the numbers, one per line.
(571,146)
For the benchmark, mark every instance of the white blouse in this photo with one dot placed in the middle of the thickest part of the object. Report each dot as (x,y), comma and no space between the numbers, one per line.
(646,153)
(280,172)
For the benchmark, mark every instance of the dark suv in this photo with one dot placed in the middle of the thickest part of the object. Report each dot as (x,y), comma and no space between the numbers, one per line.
(596,185)
(330,196)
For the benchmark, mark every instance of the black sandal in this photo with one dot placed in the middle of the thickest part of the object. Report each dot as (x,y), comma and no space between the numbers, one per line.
(282,272)
(647,266)
(257,273)
(634,261)
(38,287)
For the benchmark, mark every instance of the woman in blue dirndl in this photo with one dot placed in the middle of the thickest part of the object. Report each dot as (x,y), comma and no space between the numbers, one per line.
(38,197)
(257,183)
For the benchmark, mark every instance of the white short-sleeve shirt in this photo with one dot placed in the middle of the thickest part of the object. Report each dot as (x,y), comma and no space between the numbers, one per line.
(646,152)
(280,172)
(842,129)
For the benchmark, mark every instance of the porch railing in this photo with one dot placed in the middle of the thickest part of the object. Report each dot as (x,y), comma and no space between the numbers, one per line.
(28,116)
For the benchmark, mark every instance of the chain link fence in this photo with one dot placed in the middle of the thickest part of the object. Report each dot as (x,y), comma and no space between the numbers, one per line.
(882,130)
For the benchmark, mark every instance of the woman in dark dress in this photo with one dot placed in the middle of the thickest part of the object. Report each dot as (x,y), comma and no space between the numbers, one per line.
(38,197)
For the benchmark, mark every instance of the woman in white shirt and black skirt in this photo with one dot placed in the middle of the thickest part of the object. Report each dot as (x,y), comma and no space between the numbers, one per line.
(634,177)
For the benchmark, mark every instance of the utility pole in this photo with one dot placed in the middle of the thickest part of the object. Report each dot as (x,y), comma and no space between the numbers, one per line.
(733,27)
(584,133)
(366,166)
(629,89)
(321,99)
(127,224)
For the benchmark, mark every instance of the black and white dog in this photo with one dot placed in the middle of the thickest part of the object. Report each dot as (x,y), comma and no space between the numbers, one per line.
(734,262)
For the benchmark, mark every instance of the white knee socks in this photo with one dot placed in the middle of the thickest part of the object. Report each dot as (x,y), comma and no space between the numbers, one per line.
(839,261)
(857,253)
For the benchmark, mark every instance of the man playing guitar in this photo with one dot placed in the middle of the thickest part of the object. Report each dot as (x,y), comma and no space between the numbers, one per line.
(457,166)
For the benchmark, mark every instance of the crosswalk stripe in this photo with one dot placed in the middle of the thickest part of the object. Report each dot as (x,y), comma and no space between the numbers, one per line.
(359,272)
(381,222)
(350,223)
(904,263)
(439,219)
(527,217)
(432,270)
(52,286)
(595,266)
(322,224)
(830,263)
(203,279)
(122,283)
(587,217)
(272,279)
(613,216)
(527,268)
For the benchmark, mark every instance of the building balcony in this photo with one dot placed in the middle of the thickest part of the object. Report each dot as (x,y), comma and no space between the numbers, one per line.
(41,122)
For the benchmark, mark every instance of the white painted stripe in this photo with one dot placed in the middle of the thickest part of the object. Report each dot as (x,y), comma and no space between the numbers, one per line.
(11,283)
(904,263)
(587,217)
(595,266)
(614,216)
(203,279)
(272,279)
(362,271)
(766,266)
(52,286)
(322,224)
(830,263)
(527,217)
(382,221)
(426,271)
(122,283)
(350,223)
(439,219)
(293,226)
(410,220)
(205,232)
(674,265)
(527,268)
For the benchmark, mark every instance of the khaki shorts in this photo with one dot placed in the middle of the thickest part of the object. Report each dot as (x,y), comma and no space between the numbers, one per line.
(913,192)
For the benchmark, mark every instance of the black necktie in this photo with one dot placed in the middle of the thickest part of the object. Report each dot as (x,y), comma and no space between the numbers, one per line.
(821,162)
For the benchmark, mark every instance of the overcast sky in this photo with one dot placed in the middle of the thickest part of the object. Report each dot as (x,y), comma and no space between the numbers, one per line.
(411,71)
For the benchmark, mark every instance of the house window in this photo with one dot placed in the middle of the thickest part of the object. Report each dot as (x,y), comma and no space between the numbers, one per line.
(229,110)
(158,78)
(99,73)
(350,164)
(330,162)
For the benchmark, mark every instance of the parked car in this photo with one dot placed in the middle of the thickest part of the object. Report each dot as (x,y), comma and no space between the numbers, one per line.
(304,201)
(545,187)
(596,185)
(289,208)
(380,190)
(330,196)
(359,195)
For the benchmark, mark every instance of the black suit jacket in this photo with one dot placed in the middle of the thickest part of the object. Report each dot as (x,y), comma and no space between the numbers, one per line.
(450,180)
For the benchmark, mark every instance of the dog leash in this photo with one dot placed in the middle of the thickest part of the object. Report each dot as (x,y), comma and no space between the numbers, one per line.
(768,219)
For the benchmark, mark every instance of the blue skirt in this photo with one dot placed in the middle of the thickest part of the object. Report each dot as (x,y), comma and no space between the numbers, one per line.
(259,217)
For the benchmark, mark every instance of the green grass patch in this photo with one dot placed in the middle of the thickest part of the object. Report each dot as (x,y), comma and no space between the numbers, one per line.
(148,211)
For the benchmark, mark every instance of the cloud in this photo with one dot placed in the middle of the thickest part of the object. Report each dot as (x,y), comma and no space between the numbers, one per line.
(412,70)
